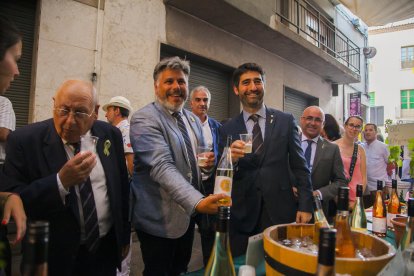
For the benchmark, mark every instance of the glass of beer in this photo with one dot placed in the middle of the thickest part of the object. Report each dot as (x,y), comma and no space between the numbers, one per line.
(88,143)
(248,140)
(202,157)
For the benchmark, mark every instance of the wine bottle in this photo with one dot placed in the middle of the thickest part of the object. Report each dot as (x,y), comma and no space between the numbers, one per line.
(379,213)
(326,253)
(393,208)
(224,175)
(35,249)
(358,218)
(344,244)
(408,236)
(318,217)
(221,261)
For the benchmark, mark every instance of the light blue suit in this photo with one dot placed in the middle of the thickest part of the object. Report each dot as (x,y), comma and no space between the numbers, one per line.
(164,198)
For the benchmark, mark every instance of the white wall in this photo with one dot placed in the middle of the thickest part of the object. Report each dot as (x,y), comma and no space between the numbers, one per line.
(386,77)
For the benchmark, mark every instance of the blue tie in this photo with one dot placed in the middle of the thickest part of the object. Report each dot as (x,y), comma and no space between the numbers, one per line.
(90,216)
(308,153)
(189,148)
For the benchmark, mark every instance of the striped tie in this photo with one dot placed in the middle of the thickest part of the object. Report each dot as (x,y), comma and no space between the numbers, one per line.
(189,148)
(308,153)
(257,145)
(90,217)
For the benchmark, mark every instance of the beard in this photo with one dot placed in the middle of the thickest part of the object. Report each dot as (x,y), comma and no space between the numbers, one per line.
(173,107)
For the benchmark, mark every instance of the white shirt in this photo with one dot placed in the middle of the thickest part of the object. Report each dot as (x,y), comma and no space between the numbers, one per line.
(124,128)
(208,137)
(250,124)
(7,120)
(100,193)
(377,158)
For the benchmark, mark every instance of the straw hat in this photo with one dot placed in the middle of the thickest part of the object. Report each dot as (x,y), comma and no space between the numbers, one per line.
(118,101)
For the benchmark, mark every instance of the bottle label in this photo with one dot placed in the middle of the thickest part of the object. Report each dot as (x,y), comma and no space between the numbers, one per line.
(223,185)
(379,225)
(389,218)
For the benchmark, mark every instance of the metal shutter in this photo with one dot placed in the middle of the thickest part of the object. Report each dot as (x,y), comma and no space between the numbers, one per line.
(295,104)
(22,13)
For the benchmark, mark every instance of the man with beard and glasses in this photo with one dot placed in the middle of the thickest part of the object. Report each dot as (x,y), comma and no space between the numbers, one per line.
(166,183)
(262,192)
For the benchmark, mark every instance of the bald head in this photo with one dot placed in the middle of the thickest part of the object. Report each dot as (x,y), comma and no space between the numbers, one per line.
(75,109)
(311,121)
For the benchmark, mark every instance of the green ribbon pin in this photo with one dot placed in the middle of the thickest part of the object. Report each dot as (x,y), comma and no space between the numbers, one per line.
(107,145)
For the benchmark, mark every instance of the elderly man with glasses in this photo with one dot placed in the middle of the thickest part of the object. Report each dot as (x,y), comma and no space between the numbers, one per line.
(323,157)
(83,195)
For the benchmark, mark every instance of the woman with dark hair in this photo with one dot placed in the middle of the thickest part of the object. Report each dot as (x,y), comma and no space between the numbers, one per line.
(10,203)
(353,156)
(331,130)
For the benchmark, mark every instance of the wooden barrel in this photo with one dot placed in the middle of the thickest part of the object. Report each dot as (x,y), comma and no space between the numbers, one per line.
(281,260)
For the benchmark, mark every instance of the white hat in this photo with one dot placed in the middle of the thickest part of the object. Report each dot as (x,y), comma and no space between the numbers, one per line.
(118,101)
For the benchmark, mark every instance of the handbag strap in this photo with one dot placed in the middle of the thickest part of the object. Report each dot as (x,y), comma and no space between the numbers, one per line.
(353,162)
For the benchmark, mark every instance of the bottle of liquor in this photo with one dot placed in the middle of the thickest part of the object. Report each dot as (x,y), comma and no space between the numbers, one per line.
(326,253)
(344,244)
(221,261)
(408,236)
(393,207)
(319,217)
(224,175)
(358,218)
(35,249)
(379,213)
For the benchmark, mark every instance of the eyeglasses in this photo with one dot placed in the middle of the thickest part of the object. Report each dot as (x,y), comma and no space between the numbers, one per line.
(356,127)
(61,112)
(310,119)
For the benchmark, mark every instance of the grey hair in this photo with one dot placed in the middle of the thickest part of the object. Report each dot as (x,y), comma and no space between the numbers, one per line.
(201,88)
(174,63)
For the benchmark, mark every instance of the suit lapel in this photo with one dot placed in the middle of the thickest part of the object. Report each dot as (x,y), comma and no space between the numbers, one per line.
(54,149)
(318,153)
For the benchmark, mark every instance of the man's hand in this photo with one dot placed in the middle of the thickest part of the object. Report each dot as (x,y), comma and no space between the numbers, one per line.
(237,150)
(77,169)
(209,205)
(295,191)
(125,251)
(210,161)
(303,217)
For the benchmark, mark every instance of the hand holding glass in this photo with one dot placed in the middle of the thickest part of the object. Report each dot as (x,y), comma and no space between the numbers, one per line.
(248,140)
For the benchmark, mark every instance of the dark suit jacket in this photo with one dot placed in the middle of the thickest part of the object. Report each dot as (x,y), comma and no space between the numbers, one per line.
(266,177)
(35,153)
(214,126)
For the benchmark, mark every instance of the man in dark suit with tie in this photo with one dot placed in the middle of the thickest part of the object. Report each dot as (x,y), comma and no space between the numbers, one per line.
(262,192)
(200,99)
(84,196)
(323,157)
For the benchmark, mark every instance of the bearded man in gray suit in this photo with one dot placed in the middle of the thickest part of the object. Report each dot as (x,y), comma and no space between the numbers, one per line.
(324,159)
(166,182)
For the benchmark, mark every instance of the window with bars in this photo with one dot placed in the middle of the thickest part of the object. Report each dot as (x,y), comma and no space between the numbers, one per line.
(407,57)
(407,99)
(371,99)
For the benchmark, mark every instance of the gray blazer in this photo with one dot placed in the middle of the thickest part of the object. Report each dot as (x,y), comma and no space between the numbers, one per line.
(163,197)
(327,171)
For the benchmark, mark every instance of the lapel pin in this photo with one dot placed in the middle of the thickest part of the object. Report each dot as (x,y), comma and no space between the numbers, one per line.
(271,118)
(107,146)
(192,119)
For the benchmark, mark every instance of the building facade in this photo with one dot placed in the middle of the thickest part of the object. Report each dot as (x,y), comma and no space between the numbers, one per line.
(392,72)
(310,51)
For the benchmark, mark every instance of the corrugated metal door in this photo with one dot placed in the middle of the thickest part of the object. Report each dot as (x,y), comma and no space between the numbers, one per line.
(295,103)
(22,13)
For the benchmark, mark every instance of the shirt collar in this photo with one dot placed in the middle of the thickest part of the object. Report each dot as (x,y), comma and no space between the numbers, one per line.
(261,112)
(304,138)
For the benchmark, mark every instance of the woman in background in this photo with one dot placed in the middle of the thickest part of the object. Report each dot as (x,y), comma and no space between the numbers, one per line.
(10,204)
(331,130)
(347,144)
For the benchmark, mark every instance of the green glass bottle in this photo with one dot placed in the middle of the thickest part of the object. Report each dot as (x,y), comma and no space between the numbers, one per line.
(221,261)
(358,218)
(408,236)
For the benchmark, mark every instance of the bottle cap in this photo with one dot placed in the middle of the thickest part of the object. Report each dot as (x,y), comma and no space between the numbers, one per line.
(410,207)
(359,190)
(379,185)
(394,183)
(327,239)
(343,198)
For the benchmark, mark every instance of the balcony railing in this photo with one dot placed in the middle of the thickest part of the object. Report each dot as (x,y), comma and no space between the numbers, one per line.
(304,19)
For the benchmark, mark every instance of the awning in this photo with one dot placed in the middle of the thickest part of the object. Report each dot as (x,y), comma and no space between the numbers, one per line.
(380,12)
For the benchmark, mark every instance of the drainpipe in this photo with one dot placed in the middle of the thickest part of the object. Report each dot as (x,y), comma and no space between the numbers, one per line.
(94,76)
